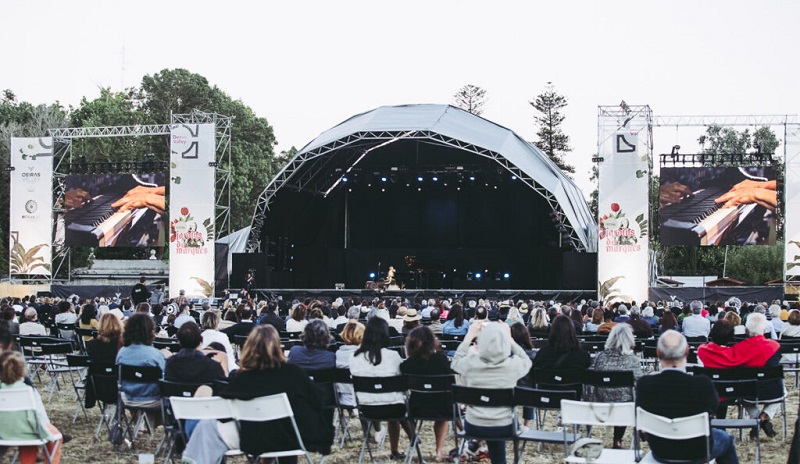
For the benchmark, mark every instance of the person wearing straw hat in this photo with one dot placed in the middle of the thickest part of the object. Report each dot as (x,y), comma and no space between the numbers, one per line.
(411,321)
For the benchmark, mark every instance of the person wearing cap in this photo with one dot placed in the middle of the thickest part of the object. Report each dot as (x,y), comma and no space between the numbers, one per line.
(524,313)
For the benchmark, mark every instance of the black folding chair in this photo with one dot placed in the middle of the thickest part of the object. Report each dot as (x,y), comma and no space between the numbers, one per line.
(55,356)
(540,400)
(103,384)
(173,430)
(556,379)
(371,413)
(80,333)
(790,349)
(135,374)
(170,344)
(483,397)
(342,378)
(427,393)
(78,364)
(593,347)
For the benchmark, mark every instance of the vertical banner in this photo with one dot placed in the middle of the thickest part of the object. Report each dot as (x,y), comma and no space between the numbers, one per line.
(622,249)
(31,206)
(791,208)
(191,210)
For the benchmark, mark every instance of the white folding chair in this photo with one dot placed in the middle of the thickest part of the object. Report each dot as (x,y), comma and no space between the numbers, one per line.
(680,428)
(212,407)
(270,408)
(22,399)
(602,414)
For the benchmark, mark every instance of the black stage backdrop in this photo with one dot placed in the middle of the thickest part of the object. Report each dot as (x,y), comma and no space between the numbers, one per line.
(712,294)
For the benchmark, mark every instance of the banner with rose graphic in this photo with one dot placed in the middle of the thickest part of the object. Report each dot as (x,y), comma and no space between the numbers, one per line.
(622,251)
(31,206)
(191,210)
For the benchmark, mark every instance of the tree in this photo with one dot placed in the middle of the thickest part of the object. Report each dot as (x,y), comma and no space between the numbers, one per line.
(552,140)
(471,99)
(594,178)
(720,140)
(253,162)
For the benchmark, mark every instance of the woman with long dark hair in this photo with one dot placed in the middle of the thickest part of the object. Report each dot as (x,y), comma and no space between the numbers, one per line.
(456,323)
(374,359)
(668,322)
(425,357)
(88,319)
(563,351)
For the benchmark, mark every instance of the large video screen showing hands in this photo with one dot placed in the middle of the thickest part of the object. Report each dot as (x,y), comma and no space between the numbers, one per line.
(115,210)
(709,206)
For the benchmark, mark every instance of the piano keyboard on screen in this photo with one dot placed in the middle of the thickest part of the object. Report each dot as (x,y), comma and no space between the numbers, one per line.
(96,223)
(698,220)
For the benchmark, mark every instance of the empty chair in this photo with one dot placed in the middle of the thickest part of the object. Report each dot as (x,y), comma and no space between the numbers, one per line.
(602,414)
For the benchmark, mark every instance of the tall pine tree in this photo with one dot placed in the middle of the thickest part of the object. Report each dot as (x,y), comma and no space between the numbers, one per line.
(552,140)
(471,99)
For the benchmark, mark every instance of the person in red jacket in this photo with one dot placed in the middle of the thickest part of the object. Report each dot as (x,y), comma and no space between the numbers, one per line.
(755,351)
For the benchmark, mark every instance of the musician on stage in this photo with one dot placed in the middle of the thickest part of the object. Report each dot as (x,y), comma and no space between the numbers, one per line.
(745,192)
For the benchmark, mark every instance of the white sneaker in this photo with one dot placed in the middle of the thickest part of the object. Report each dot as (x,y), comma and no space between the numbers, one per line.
(523,429)
(380,437)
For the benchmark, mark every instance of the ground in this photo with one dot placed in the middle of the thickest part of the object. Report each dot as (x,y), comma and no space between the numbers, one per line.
(85,449)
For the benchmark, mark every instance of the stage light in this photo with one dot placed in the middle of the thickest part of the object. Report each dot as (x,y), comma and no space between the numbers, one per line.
(383,190)
(471,177)
(506,276)
(434,178)
(344,179)
(420,179)
(383,179)
(478,275)
(371,275)
(513,177)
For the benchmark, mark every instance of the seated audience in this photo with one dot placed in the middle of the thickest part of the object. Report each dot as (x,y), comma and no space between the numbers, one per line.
(696,325)
(88,319)
(791,328)
(138,335)
(514,316)
(31,325)
(622,310)
(577,320)
(649,316)
(563,350)
(608,323)
(183,317)
(617,356)
(374,359)
(425,357)
(243,327)
(352,334)
(19,425)
(594,323)
(410,321)
(668,322)
(104,347)
(10,318)
(641,329)
(522,338)
(539,327)
(436,323)
(736,321)
(456,324)
(498,362)
(313,354)
(265,371)
(656,394)
(229,318)
(396,322)
(298,320)
(189,365)
(211,334)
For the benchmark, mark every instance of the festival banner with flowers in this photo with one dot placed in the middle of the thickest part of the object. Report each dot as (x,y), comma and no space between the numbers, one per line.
(31,206)
(623,235)
(191,210)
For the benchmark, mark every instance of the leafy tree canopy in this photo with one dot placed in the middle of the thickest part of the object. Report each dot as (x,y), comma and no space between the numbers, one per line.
(551,138)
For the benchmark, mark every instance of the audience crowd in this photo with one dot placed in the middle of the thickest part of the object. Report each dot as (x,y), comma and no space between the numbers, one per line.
(248,348)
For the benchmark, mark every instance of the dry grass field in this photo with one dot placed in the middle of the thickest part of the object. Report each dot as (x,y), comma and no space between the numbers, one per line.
(85,449)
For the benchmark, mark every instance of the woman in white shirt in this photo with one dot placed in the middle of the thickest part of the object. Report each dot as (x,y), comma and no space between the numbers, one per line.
(374,359)
(352,334)
(297,323)
(210,321)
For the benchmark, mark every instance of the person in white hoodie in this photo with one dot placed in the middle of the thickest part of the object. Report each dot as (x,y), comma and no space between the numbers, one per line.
(498,362)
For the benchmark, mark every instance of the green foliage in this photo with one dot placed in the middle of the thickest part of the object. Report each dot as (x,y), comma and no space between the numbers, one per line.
(552,140)
(471,99)
(756,265)
(594,178)
(724,140)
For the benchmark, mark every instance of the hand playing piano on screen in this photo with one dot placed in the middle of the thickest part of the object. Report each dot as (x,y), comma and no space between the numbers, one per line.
(75,198)
(143,197)
(750,191)
(673,192)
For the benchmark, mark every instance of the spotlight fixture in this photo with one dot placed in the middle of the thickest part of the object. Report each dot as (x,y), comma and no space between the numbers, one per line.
(344,179)
(383,179)
(506,276)
(371,275)
(435,179)
(513,177)
(478,276)
(471,177)
(420,179)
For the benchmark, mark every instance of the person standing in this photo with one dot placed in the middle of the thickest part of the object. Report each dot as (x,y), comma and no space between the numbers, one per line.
(140,293)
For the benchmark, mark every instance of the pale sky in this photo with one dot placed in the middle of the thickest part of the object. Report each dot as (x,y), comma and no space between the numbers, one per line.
(308,65)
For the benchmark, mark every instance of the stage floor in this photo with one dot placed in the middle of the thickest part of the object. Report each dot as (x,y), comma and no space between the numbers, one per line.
(495,294)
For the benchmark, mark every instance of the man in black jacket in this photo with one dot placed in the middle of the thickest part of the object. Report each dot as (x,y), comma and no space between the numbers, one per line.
(270,316)
(242,328)
(140,293)
(190,365)
(696,394)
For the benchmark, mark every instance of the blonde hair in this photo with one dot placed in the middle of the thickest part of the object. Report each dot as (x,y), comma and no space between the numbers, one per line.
(352,333)
(109,328)
(733,318)
(262,350)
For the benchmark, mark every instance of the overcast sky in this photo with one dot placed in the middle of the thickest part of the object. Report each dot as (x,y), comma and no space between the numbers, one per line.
(308,65)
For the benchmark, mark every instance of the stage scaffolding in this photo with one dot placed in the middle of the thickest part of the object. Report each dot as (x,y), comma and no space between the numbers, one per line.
(63,163)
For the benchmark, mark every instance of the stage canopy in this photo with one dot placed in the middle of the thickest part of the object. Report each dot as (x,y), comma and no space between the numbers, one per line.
(449,199)
(345,150)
